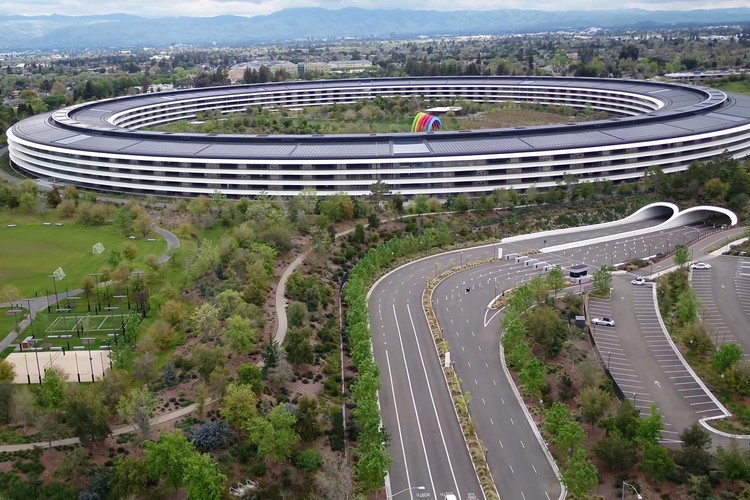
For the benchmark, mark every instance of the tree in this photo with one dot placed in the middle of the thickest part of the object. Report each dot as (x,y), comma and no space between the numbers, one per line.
(649,429)
(114,386)
(296,314)
(297,345)
(309,461)
(51,392)
(602,280)
(138,408)
(688,306)
(275,435)
(205,319)
(539,289)
(580,477)
(557,416)
(615,451)
(699,486)
(532,377)
(695,436)
(240,335)
(144,368)
(593,403)
(556,279)
(167,457)
(173,312)
(211,435)
(681,256)
(726,357)
(251,375)
(50,426)
(122,219)
(334,480)
(239,406)
(129,251)
(129,477)
(10,294)
(7,400)
(570,436)
(733,461)
(270,354)
(203,479)
(546,327)
(86,413)
(308,423)
(75,463)
(207,360)
(657,461)
(7,371)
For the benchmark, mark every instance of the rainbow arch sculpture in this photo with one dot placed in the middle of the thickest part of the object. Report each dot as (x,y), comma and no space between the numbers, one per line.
(425,122)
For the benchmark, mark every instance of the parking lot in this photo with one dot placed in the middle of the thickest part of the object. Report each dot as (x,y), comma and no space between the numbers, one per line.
(644,362)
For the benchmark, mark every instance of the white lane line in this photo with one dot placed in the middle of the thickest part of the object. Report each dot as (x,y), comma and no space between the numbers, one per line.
(413,399)
(532,466)
(398,420)
(432,398)
(523,445)
(492,421)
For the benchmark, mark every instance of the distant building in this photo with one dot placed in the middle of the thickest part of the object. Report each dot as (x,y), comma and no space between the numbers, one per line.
(700,76)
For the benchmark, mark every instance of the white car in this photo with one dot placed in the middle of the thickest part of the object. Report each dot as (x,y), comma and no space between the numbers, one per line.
(638,281)
(700,265)
(603,321)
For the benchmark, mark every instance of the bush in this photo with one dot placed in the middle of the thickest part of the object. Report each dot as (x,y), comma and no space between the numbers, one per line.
(211,436)
(309,461)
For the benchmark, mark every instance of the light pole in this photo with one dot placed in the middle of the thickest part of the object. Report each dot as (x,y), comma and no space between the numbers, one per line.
(637,495)
(609,357)
(635,395)
(88,342)
(96,288)
(407,489)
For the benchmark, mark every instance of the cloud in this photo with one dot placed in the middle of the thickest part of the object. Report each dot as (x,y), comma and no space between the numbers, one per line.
(207,8)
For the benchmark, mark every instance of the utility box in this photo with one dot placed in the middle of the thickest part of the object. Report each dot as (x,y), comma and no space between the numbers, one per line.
(578,270)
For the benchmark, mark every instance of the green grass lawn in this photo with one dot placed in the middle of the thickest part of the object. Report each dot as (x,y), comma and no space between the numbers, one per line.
(8,321)
(31,251)
(740,87)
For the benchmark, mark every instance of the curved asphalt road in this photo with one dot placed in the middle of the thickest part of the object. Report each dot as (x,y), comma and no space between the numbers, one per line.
(426,442)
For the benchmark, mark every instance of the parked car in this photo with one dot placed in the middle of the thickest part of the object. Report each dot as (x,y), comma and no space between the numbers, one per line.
(700,265)
(638,281)
(603,321)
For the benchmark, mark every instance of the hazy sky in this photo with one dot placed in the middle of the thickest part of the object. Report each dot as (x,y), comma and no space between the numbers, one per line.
(205,8)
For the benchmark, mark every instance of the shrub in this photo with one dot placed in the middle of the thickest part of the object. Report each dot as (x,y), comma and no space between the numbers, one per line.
(211,436)
(309,461)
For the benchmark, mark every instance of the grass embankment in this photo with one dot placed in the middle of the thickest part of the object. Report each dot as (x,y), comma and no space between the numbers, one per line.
(738,86)
(31,251)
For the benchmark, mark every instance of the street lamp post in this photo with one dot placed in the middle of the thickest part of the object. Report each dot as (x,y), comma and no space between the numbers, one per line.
(407,489)
(96,289)
(609,357)
(624,484)
(91,359)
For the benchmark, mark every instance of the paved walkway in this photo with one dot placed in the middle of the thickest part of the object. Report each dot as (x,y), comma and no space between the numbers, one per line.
(161,419)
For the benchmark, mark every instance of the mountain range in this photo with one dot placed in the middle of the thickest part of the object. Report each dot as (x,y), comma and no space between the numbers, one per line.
(121,31)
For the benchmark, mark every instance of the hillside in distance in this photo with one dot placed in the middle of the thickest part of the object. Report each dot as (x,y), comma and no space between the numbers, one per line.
(57,32)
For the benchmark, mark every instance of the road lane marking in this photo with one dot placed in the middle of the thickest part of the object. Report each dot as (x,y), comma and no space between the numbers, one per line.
(432,398)
(398,420)
(413,399)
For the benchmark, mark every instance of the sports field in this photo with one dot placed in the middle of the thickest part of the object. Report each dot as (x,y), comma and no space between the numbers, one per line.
(75,331)
(30,365)
(31,251)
